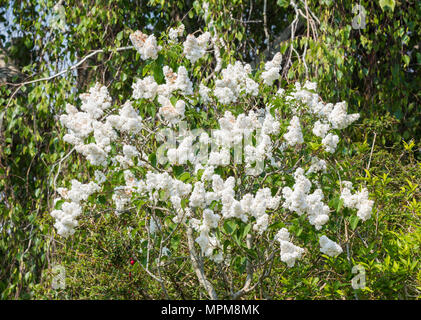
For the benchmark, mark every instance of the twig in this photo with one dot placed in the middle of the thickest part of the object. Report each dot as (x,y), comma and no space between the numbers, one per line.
(197,266)
(20,85)
(59,166)
(265,24)
(371,153)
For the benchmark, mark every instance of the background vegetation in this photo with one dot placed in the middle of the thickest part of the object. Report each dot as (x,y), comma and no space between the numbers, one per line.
(375,69)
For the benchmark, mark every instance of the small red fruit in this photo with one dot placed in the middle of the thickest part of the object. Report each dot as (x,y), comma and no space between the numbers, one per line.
(132,262)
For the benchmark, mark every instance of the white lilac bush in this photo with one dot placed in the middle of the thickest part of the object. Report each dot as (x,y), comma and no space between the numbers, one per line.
(231,163)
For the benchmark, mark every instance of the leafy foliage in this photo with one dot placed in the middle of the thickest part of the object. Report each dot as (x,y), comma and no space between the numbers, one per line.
(375,69)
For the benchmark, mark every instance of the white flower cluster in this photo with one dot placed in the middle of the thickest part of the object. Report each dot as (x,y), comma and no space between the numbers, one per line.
(294,135)
(320,129)
(163,181)
(146,45)
(183,153)
(128,120)
(235,80)
(66,218)
(169,112)
(122,195)
(231,133)
(207,242)
(257,206)
(100,177)
(330,141)
(329,247)
(145,88)
(174,33)
(79,192)
(249,205)
(317,165)
(67,215)
(339,117)
(78,123)
(267,125)
(289,252)
(272,69)
(204,93)
(223,191)
(300,201)
(161,186)
(329,116)
(358,200)
(93,103)
(126,160)
(195,48)
(176,81)
(81,125)
(96,101)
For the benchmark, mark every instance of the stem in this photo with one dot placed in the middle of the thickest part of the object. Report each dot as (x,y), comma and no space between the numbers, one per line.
(198,267)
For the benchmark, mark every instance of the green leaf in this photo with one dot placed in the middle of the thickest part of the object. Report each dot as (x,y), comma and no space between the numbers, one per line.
(283,3)
(230,226)
(406,60)
(184,176)
(246,230)
(178,170)
(152,159)
(339,205)
(120,35)
(353,221)
(101,199)
(59,203)
(158,73)
(387,4)
(314,146)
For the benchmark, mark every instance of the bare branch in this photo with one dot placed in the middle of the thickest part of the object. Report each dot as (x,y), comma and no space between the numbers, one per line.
(20,85)
(197,266)
(265,24)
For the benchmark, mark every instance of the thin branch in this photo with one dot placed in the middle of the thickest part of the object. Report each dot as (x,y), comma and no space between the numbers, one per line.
(198,268)
(20,85)
(371,153)
(265,24)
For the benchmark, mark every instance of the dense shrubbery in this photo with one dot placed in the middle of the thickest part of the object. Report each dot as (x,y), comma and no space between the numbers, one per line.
(371,153)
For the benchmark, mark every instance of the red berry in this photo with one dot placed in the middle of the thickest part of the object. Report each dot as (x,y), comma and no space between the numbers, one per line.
(132,262)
